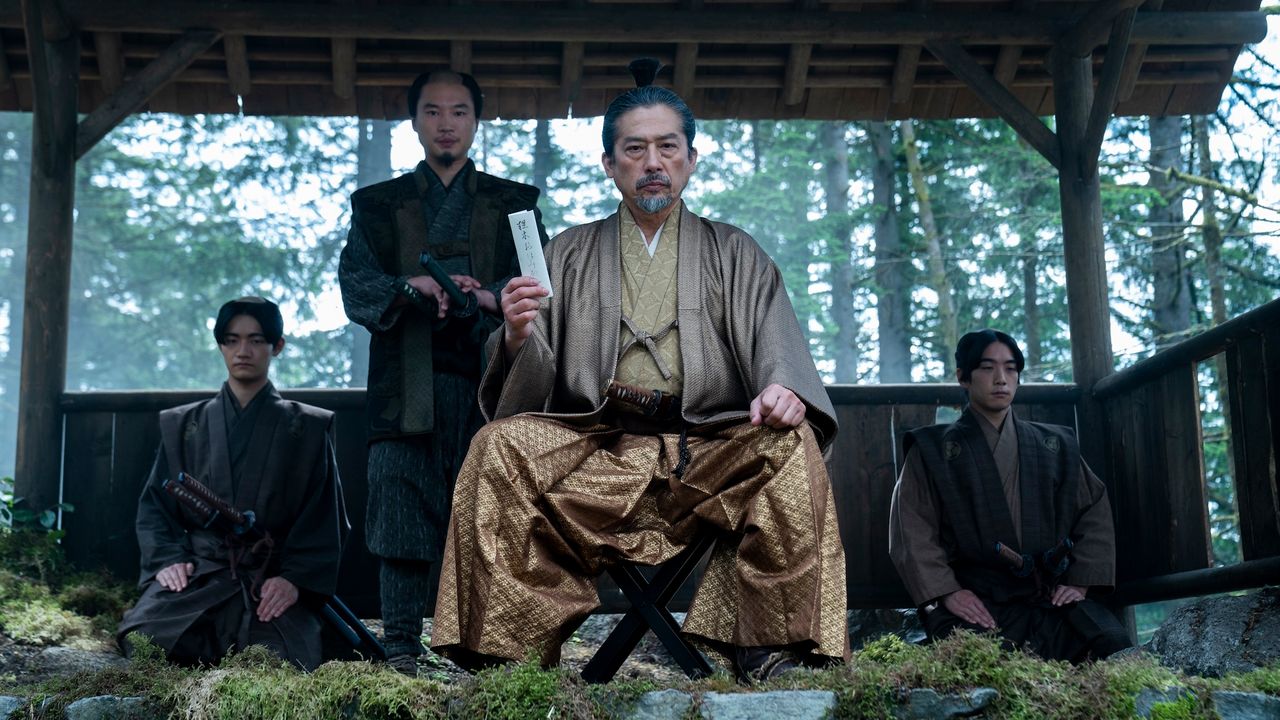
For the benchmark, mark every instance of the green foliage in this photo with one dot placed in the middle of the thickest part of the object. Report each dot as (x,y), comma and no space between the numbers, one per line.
(34,554)
(1184,708)
(881,674)
(515,692)
(256,684)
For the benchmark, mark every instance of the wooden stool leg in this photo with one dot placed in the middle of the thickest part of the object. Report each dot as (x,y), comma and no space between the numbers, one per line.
(648,600)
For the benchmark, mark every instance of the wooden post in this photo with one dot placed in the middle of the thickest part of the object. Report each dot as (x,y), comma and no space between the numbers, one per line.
(1088,307)
(48,282)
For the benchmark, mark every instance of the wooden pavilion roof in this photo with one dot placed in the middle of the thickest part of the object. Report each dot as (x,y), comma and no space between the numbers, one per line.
(818,59)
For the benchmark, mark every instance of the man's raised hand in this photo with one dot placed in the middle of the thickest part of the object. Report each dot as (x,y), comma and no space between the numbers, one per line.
(519,309)
(778,408)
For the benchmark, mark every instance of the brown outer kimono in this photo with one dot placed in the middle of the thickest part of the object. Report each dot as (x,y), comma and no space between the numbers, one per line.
(738,331)
(914,520)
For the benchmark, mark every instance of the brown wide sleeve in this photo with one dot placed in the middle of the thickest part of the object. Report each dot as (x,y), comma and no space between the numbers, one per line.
(914,544)
(768,338)
(1094,555)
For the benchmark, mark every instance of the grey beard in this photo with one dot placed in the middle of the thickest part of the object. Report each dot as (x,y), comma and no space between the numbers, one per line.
(654,203)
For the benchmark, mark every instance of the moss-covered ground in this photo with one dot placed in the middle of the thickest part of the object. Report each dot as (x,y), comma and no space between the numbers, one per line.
(42,603)
(256,685)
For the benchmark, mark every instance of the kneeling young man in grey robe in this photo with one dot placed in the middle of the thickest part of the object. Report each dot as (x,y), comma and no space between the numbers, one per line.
(206,591)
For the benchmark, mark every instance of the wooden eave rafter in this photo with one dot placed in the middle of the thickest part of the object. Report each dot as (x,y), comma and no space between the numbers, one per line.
(110,60)
(644,25)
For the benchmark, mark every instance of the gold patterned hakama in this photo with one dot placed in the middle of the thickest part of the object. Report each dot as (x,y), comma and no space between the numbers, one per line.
(541,507)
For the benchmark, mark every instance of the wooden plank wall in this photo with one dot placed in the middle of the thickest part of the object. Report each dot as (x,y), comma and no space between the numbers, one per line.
(111,442)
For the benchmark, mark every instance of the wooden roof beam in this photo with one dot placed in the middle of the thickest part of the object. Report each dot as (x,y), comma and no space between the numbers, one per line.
(571,56)
(131,97)
(1106,96)
(1088,33)
(344,66)
(1133,60)
(38,61)
(906,65)
(571,70)
(1022,120)
(110,60)
(475,23)
(797,69)
(1008,57)
(460,56)
(686,69)
(342,53)
(236,56)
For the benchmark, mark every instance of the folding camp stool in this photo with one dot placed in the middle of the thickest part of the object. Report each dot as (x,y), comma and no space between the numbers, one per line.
(648,598)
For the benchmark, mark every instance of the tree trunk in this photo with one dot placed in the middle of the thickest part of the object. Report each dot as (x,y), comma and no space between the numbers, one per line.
(373,165)
(835,159)
(542,154)
(891,295)
(1171,301)
(1031,305)
(947,335)
(1212,233)
(16,178)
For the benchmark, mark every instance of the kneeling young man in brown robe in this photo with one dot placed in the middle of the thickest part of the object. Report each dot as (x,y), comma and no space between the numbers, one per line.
(664,388)
(205,591)
(998,524)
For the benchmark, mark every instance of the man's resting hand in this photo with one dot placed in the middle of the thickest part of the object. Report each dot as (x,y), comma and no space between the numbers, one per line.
(778,408)
(1067,594)
(278,595)
(968,607)
(175,577)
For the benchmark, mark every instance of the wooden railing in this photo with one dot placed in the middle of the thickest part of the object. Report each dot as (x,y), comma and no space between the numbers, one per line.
(1155,457)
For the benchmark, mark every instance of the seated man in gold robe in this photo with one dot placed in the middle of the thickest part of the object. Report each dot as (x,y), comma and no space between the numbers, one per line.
(665,387)
(998,524)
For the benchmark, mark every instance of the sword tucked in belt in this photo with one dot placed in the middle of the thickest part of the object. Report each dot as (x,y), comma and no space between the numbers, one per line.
(651,403)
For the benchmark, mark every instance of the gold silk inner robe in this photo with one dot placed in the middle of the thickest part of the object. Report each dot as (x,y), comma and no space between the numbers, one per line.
(649,300)
(542,506)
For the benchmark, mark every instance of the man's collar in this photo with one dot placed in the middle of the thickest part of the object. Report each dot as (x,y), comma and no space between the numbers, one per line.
(425,177)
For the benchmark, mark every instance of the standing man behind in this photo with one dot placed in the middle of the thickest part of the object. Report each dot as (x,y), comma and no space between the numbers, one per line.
(664,390)
(990,481)
(424,362)
(203,591)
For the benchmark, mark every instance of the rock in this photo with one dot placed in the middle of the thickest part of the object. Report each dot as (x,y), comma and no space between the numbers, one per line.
(1217,635)
(110,707)
(789,704)
(926,704)
(867,625)
(660,705)
(8,704)
(1148,697)
(67,661)
(1232,705)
